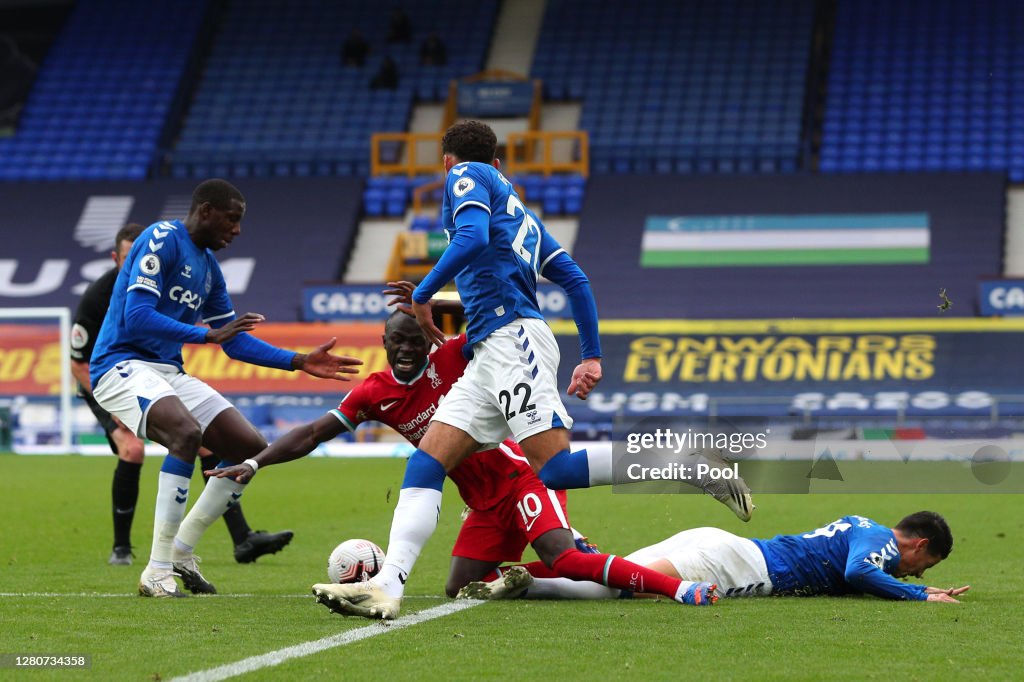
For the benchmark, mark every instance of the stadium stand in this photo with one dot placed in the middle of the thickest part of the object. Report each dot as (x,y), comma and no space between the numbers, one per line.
(925,85)
(704,86)
(276,100)
(102,96)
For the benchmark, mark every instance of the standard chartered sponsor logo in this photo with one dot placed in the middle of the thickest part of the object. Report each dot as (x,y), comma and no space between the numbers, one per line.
(422,418)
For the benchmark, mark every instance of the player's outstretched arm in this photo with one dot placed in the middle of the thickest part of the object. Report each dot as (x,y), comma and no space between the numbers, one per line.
(321,363)
(469,240)
(563,271)
(245,323)
(295,444)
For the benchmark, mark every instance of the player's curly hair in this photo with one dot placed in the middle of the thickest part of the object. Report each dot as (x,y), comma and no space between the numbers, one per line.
(470,141)
(218,193)
(926,524)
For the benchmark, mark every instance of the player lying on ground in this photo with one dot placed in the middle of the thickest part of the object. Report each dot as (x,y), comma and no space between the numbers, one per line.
(853,555)
(170,281)
(129,448)
(511,506)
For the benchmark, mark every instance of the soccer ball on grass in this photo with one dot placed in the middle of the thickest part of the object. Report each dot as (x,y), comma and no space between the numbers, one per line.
(354,561)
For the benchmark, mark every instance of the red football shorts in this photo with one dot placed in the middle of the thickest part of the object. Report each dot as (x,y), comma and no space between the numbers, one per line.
(501,533)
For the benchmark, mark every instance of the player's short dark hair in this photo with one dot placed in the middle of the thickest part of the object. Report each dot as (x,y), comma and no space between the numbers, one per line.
(395,317)
(470,141)
(128,233)
(218,193)
(926,524)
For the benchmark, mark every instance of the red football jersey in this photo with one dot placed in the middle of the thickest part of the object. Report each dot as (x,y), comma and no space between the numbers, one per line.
(483,477)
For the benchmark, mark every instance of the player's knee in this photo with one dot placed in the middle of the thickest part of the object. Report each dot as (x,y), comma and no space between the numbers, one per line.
(132,451)
(551,554)
(454,584)
(186,441)
(252,445)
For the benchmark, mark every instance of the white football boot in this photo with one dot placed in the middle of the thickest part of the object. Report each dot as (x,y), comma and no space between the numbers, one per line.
(358,599)
(159,583)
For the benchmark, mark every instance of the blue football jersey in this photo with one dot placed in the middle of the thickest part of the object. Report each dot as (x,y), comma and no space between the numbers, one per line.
(852,554)
(187,281)
(501,284)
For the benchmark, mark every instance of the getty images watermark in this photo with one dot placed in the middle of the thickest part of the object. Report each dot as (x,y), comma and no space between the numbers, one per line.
(801,455)
(692,456)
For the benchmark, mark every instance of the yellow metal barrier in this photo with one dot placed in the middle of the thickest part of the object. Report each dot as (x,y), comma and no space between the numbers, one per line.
(413,161)
(521,156)
(419,194)
(521,152)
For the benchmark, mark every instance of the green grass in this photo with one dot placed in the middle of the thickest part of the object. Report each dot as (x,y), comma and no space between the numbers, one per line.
(55,538)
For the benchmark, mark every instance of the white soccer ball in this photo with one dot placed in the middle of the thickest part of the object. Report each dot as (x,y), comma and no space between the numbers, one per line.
(354,561)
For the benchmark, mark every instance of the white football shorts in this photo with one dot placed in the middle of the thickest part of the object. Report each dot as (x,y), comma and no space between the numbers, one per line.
(509,387)
(130,388)
(713,555)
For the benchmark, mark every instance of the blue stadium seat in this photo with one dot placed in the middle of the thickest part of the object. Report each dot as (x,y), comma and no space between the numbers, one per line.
(373,201)
(553,200)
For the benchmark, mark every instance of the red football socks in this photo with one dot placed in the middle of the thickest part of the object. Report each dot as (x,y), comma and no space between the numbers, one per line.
(614,571)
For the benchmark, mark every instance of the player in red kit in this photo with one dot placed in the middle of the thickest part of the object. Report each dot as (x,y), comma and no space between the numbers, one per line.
(510,505)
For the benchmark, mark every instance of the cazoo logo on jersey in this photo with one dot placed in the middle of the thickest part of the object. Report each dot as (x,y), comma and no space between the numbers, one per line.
(185,297)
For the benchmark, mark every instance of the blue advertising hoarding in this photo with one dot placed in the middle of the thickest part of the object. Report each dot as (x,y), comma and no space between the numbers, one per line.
(1003,297)
(346,302)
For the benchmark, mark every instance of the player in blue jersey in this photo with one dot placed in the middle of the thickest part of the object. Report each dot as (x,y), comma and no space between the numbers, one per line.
(249,544)
(852,555)
(497,251)
(169,282)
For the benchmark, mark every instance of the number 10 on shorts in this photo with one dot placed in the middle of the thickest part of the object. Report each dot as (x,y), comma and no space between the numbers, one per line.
(530,507)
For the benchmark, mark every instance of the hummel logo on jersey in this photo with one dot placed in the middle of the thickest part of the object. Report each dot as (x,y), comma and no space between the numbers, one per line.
(158,234)
(154,246)
(402,577)
(187,272)
(385,407)
(459,171)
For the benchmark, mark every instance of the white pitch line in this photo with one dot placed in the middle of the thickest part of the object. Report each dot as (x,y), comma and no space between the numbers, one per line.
(248,665)
(133,595)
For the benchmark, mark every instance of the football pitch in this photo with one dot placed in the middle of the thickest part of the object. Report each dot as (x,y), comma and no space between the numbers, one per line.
(59,596)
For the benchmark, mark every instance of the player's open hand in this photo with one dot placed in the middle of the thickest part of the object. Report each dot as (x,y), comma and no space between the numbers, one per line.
(326,365)
(245,323)
(945,595)
(584,378)
(402,293)
(424,314)
(241,473)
